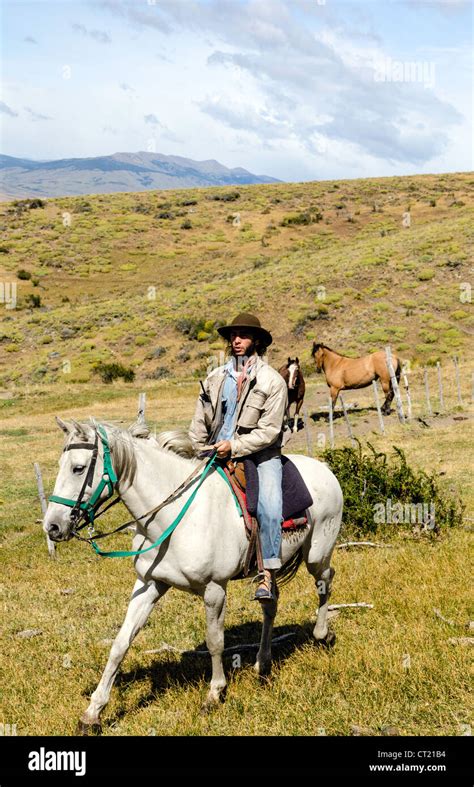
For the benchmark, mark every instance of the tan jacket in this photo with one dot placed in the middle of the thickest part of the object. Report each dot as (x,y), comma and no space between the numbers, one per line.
(261,411)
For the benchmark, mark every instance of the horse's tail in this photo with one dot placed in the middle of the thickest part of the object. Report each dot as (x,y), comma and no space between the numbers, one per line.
(286,573)
(397,370)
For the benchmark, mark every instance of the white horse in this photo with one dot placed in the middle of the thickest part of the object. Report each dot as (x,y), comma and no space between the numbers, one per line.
(207,549)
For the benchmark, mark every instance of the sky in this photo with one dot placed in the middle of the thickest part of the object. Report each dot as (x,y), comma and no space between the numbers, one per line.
(296,89)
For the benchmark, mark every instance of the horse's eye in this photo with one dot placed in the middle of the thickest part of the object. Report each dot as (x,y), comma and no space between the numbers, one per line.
(78,469)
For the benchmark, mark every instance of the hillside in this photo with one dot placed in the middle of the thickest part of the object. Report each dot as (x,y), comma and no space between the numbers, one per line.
(142,278)
(119,172)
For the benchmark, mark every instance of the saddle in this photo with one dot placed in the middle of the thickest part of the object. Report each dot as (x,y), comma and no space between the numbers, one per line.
(236,475)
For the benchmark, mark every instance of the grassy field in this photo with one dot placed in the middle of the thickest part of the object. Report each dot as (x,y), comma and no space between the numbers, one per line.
(392,666)
(142,280)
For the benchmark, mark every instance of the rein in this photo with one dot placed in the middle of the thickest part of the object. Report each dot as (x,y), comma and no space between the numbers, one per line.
(89,510)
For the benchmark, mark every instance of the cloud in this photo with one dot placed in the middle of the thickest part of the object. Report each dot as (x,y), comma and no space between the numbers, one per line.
(153,120)
(98,35)
(304,81)
(30,40)
(7,110)
(37,115)
(127,88)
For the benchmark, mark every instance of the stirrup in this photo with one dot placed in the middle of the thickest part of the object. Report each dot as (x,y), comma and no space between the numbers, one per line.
(265,589)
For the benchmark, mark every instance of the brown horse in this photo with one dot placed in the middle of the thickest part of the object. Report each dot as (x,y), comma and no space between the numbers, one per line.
(293,377)
(343,373)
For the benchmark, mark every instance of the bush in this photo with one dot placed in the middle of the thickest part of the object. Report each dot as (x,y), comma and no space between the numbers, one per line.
(159,373)
(165,214)
(229,196)
(185,202)
(369,480)
(22,274)
(195,329)
(4,250)
(83,207)
(109,372)
(187,224)
(426,274)
(296,219)
(33,300)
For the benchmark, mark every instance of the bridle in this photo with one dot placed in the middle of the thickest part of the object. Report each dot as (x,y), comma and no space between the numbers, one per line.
(88,510)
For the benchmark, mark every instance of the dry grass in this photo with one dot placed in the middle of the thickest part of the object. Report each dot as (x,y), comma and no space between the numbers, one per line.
(362,681)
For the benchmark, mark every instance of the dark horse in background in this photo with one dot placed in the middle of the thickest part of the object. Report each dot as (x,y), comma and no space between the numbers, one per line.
(344,373)
(293,377)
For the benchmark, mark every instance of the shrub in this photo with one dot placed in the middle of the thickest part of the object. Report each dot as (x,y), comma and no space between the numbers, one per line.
(4,250)
(185,202)
(165,214)
(159,373)
(83,207)
(369,480)
(22,274)
(195,329)
(229,196)
(187,224)
(109,372)
(426,274)
(296,219)
(33,300)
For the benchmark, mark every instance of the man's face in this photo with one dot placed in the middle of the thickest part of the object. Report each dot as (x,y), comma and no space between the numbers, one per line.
(242,342)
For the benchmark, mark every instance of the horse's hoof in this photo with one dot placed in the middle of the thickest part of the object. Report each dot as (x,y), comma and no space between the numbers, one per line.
(263,670)
(89,728)
(328,641)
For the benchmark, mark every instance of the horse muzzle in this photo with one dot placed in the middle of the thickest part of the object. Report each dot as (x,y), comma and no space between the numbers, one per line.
(58,530)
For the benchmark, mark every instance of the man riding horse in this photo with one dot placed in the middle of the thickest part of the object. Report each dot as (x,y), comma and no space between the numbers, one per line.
(239,413)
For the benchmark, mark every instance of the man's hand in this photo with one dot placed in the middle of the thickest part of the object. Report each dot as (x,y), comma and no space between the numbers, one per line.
(223,448)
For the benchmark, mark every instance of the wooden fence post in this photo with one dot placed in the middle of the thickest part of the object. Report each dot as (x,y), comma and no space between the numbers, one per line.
(407,391)
(427,391)
(39,480)
(440,386)
(458,382)
(396,390)
(309,445)
(346,418)
(331,424)
(377,404)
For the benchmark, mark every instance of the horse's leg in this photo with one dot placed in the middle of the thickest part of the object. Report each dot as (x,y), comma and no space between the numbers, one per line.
(297,411)
(323,579)
(318,562)
(334,394)
(389,394)
(264,656)
(214,601)
(144,597)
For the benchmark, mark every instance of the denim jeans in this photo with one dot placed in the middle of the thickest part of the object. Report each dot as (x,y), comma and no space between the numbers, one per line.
(269,510)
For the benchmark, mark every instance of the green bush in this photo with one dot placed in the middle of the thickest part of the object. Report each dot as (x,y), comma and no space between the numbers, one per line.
(296,219)
(229,196)
(22,274)
(187,224)
(109,372)
(369,480)
(33,300)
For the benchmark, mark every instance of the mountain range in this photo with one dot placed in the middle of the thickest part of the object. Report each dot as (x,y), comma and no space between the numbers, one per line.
(115,173)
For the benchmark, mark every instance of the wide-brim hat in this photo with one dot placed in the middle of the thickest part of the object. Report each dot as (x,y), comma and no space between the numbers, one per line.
(245,320)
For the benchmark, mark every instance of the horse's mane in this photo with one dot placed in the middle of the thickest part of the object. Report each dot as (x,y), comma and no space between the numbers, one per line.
(176,441)
(325,347)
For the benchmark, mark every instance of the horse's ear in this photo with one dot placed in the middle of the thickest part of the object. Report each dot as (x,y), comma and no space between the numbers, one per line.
(64,425)
(289,360)
(297,360)
(80,429)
